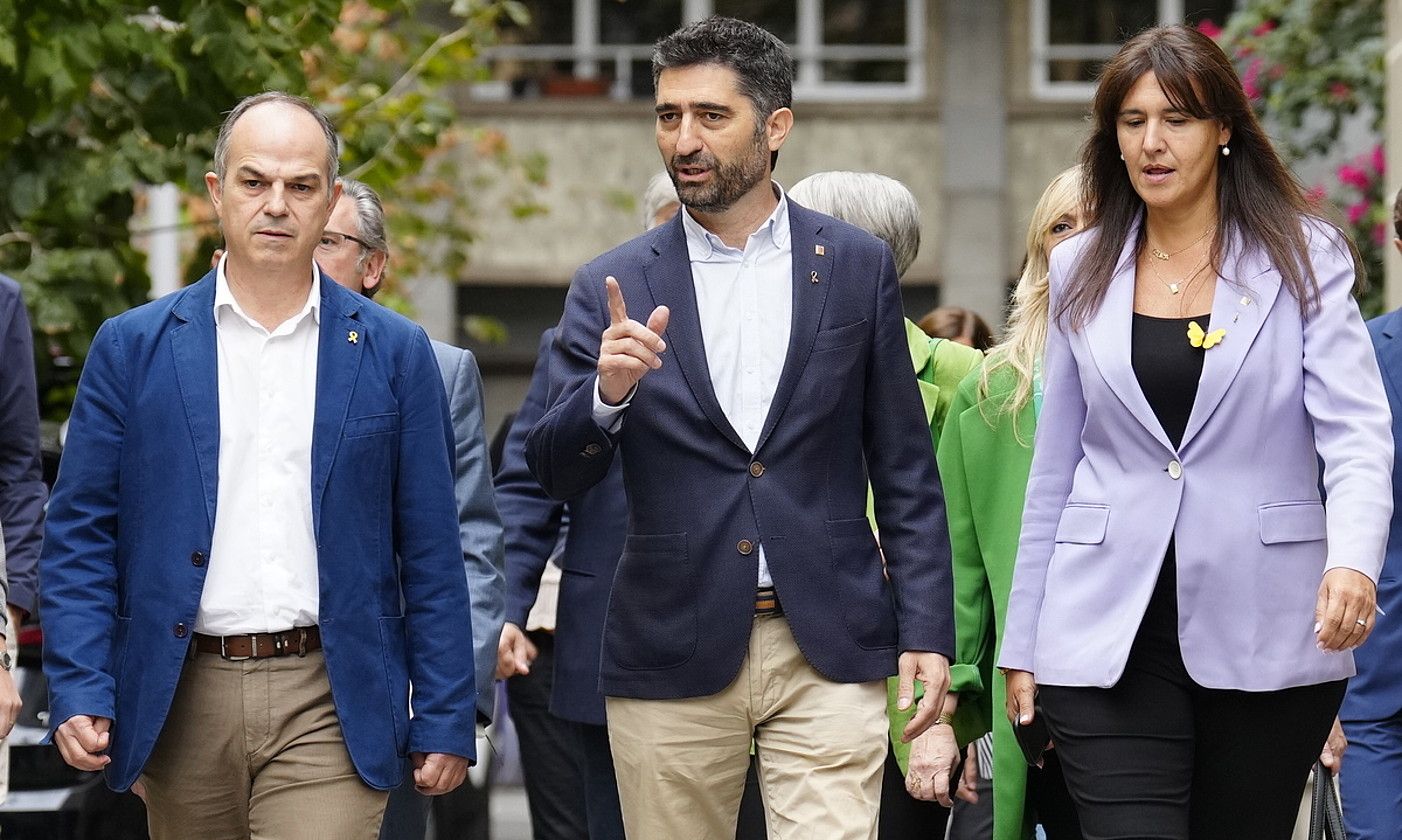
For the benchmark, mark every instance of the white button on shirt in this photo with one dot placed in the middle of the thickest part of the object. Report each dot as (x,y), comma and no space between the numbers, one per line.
(744,300)
(262,574)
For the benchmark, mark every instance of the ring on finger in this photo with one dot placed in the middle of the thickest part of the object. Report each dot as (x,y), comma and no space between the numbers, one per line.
(1362,622)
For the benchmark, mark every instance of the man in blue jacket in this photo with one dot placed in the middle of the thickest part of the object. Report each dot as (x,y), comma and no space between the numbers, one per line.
(233,612)
(1371,780)
(22,490)
(750,599)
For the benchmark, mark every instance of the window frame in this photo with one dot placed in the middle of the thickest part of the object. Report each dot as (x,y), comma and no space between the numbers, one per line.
(1041,53)
(589,56)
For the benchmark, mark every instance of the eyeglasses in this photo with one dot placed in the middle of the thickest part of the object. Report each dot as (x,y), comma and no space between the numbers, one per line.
(332,241)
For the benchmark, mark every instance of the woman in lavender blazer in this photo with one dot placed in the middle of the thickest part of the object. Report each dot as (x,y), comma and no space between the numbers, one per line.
(1183,603)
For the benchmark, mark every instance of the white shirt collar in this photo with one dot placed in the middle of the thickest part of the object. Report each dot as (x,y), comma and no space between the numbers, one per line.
(703,244)
(224,298)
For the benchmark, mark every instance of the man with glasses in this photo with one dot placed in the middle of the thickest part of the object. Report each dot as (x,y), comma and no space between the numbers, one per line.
(354,252)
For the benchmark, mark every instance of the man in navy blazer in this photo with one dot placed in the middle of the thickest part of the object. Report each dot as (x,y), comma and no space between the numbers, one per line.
(1371,781)
(22,490)
(233,613)
(750,598)
(597,520)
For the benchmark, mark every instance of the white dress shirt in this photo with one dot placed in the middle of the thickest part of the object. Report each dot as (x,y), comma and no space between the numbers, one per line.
(262,573)
(744,300)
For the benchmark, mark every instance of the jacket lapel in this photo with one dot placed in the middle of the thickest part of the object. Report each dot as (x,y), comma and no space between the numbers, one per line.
(1108,335)
(809,298)
(337,365)
(192,343)
(1239,306)
(669,279)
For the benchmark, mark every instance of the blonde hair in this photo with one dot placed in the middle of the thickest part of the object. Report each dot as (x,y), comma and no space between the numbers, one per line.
(1025,336)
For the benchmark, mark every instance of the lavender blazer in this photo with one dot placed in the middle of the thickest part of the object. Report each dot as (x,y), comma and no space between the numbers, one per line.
(1240,495)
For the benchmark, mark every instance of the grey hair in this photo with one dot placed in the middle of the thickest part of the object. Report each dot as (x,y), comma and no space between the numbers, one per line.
(333,143)
(659,193)
(369,215)
(762,62)
(879,205)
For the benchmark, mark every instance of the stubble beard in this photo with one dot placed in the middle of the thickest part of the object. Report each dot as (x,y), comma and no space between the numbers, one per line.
(729,182)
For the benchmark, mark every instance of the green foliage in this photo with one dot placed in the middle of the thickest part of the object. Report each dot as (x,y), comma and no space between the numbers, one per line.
(101,97)
(1310,67)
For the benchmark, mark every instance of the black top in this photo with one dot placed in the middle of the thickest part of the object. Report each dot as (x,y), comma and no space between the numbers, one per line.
(1168,368)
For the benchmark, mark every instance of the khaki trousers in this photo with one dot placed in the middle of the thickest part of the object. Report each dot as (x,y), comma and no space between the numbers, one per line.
(681,763)
(253,750)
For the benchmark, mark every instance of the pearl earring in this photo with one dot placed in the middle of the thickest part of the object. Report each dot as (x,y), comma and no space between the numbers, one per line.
(1122,157)
(1226,152)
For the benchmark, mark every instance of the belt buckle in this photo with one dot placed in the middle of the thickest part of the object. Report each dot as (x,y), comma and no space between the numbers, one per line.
(302,643)
(224,648)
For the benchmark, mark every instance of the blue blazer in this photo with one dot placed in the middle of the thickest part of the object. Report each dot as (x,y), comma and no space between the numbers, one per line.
(132,515)
(22,490)
(1376,692)
(846,410)
(479,527)
(597,522)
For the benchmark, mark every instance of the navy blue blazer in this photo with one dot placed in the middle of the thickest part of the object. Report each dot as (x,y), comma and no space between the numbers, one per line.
(1376,692)
(132,519)
(597,522)
(846,410)
(22,490)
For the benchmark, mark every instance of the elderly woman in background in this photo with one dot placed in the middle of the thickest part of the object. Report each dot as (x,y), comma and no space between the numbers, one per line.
(984,455)
(1183,602)
(886,208)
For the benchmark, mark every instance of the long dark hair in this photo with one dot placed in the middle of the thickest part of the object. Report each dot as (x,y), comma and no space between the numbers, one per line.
(1256,194)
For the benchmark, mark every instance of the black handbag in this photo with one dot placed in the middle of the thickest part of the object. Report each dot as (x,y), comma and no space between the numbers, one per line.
(1326,819)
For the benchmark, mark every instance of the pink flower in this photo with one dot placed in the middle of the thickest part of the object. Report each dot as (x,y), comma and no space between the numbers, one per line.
(1353,176)
(1379,159)
(1208,28)
(1381,233)
(1356,212)
(1251,78)
(1340,90)
(1263,28)
(1315,194)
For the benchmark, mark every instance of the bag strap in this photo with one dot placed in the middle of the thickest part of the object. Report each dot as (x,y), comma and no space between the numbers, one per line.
(1326,817)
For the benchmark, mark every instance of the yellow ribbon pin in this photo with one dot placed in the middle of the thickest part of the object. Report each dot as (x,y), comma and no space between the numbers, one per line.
(352,336)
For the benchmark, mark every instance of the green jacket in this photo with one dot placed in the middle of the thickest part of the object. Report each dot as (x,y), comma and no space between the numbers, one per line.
(939,365)
(984,468)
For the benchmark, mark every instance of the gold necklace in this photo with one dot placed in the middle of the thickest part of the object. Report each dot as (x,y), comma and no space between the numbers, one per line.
(1159,253)
(1175,288)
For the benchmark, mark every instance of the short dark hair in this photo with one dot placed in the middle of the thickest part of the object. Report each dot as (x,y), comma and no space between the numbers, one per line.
(762,62)
(1397,214)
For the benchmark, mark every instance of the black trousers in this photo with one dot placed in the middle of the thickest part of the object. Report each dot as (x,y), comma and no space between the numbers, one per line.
(1050,801)
(1159,757)
(604,815)
(550,755)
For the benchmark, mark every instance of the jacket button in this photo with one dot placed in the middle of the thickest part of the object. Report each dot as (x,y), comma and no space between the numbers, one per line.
(197,558)
(591,450)
(181,631)
(756,469)
(745,547)
(1175,470)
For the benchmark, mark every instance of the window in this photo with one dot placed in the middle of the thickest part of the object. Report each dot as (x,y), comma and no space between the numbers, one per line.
(1071,39)
(844,49)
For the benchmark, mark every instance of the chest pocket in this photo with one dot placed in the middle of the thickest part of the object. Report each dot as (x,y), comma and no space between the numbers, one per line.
(373,424)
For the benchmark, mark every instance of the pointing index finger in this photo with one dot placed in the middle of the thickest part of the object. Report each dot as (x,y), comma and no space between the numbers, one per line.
(618,310)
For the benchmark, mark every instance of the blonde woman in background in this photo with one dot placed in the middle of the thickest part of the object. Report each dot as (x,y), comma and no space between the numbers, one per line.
(985,454)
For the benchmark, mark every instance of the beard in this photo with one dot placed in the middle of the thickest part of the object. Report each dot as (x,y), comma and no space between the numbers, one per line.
(729,181)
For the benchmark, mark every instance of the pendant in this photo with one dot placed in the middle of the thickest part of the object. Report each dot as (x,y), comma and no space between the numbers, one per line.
(1158,254)
(1173,288)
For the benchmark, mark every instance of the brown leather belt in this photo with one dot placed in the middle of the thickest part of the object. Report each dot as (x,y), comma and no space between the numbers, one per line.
(298,640)
(767,602)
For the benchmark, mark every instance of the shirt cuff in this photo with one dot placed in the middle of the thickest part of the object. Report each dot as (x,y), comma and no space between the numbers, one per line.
(610,417)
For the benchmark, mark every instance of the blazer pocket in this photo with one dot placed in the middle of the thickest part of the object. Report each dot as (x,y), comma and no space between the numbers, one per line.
(1286,522)
(1083,523)
(651,622)
(373,424)
(839,337)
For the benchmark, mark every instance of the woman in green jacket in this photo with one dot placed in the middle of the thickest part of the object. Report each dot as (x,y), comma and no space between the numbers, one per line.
(985,453)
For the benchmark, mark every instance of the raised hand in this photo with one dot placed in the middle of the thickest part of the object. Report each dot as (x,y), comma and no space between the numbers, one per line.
(628,349)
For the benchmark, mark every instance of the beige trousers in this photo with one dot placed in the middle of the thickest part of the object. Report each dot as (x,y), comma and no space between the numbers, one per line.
(253,750)
(681,763)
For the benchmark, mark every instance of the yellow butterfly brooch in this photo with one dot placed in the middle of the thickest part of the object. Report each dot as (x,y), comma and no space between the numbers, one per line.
(1205,340)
